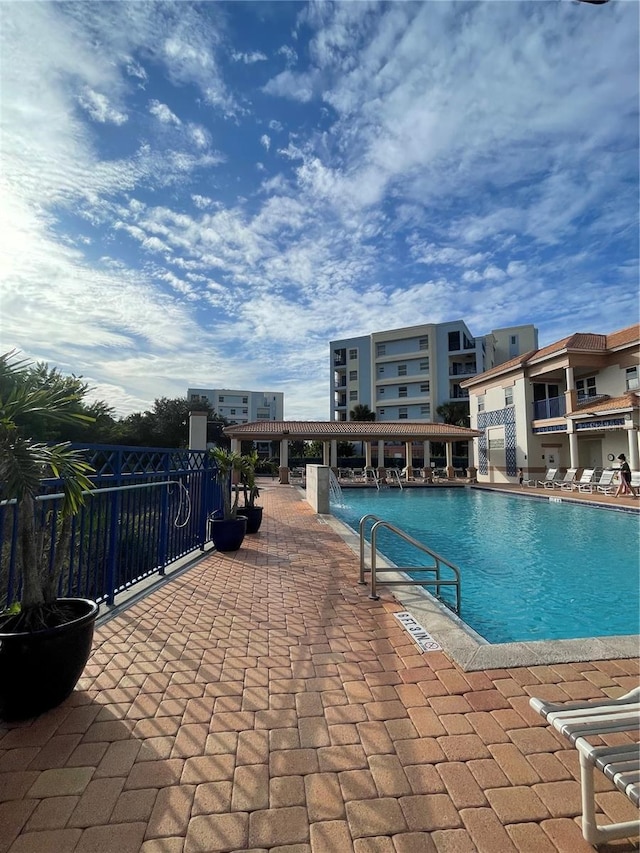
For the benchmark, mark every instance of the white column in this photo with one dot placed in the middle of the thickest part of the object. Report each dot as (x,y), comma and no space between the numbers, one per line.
(471,452)
(408,452)
(570,393)
(325,452)
(632,439)
(427,453)
(197,430)
(235,445)
(573,445)
(334,453)
(367,454)
(381,453)
(448,447)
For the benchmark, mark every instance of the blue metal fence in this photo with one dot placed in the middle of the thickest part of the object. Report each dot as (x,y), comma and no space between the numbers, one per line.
(149,507)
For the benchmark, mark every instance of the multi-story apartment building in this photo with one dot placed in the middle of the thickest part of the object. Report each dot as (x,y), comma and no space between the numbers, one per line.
(405,374)
(240,407)
(572,404)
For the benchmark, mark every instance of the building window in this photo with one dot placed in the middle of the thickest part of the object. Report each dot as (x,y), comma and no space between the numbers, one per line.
(425,410)
(353,375)
(380,371)
(353,354)
(586,388)
(424,365)
(381,411)
(381,349)
(402,414)
(508,396)
(245,400)
(423,343)
(424,388)
(514,339)
(402,391)
(481,404)
(245,412)
(402,370)
(353,395)
(454,341)
(631,374)
(233,411)
(381,392)
(221,399)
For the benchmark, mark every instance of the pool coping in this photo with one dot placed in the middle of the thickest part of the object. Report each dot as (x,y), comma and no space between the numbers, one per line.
(472,652)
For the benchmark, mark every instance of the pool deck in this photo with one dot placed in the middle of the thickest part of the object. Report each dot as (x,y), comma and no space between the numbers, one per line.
(260,701)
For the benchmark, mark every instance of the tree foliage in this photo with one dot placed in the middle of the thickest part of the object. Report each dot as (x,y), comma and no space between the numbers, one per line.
(362,412)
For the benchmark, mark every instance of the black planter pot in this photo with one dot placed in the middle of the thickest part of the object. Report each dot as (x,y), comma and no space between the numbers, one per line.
(39,669)
(253,514)
(227,534)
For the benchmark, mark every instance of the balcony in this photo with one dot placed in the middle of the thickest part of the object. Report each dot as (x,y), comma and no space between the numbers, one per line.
(340,361)
(553,407)
(462,370)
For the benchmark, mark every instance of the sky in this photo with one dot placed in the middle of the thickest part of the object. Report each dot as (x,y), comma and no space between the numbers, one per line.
(204,195)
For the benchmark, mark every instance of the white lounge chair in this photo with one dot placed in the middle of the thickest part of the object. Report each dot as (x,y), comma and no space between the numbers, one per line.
(605,484)
(578,721)
(585,480)
(549,477)
(567,481)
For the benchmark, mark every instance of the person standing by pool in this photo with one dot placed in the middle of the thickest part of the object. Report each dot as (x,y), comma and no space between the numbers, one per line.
(624,486)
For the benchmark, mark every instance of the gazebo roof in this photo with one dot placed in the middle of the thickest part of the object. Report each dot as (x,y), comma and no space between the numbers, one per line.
(350,431)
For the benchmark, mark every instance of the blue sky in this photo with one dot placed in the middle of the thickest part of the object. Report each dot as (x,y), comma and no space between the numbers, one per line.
(206,195)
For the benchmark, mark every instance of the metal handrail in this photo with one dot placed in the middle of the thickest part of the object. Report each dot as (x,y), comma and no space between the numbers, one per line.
(437,581)
(394,474)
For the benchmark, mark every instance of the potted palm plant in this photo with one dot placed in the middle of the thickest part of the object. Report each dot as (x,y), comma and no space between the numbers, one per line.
(250,492)
(227,532)
(45,641)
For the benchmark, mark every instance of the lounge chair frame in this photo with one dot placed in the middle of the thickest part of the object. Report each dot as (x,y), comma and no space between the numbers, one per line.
(579,720)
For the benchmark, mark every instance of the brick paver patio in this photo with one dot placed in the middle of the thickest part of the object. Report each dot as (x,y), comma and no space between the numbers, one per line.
(260,701)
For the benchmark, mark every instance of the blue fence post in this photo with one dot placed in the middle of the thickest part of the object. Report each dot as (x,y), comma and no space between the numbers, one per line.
(206,498)
(113,547)
(164,519)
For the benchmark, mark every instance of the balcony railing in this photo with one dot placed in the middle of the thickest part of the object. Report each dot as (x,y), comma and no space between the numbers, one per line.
(462,370)
(554,407)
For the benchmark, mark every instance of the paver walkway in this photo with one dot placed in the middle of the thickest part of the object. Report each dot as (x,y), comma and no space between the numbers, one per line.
(261,701)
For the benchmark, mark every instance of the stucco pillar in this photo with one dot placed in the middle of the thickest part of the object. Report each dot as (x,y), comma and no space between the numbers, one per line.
(235,445)
(426,454)
(570,396)
(408,454)
(448,448)
(326,452)
(634,455)
(381,454)
(333,454)
(197,430)
(367,454)
(284,461)
(573,445)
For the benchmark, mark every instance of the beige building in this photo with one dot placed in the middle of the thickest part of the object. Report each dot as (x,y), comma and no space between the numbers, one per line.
(574,403)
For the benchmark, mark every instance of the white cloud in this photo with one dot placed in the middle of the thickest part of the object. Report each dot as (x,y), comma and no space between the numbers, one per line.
(163,113)
(99,108)
(249,58)
(265,141)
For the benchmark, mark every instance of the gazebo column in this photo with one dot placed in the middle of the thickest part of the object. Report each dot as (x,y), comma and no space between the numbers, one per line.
(426,461)
(448,448)
(472,471)
(235,445)
(334,454)
(408,452)
(367,454)
(382,471)
(326,452)
(284,461)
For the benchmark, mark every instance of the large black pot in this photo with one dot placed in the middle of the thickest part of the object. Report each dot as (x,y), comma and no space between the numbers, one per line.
(253,514)
(39,669)
(227,534)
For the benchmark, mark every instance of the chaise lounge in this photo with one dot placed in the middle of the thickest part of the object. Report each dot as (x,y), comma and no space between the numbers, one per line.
(620,762)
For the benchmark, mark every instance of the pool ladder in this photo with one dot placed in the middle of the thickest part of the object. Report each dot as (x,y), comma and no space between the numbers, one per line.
(436,581)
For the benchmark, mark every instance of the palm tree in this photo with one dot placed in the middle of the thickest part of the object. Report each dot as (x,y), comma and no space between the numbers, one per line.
(362,412)
(23,464)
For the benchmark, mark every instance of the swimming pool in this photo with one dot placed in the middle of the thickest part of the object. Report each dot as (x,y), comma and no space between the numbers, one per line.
(530,569)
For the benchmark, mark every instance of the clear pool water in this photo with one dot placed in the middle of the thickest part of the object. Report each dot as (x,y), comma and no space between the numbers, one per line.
(531,569)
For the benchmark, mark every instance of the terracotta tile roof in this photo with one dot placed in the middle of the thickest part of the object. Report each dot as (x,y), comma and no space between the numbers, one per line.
(345,430)
(579,341)
(630,400)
